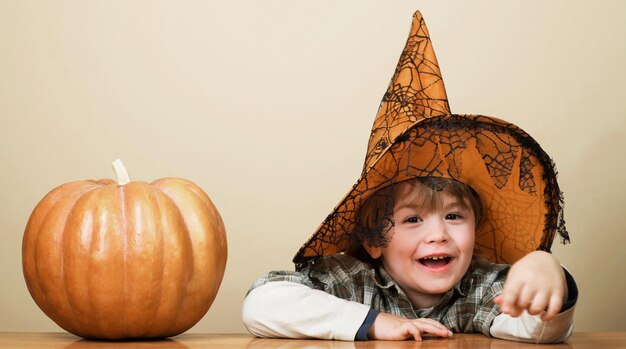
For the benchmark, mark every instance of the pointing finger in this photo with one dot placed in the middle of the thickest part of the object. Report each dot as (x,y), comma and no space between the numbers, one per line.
(556,303)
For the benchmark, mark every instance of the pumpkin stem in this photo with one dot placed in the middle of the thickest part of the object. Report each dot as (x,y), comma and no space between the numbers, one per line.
(120,172)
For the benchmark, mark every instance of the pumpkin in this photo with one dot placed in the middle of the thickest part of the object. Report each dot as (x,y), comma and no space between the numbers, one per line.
(123,260)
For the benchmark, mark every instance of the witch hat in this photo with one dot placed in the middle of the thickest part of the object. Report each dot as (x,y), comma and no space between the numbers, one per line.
(415,135)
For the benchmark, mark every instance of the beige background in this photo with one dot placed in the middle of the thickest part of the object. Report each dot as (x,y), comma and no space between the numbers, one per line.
(267,105)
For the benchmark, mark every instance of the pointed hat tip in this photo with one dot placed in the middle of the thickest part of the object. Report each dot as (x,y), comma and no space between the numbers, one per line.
(418,25)
(416,91)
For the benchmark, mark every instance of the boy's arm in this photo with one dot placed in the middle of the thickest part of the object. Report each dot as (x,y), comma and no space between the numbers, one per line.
(537,302)
(530,328)
(284,309)
(319,302)
(536,283)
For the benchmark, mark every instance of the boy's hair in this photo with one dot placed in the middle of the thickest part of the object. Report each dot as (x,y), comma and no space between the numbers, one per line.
(374,219)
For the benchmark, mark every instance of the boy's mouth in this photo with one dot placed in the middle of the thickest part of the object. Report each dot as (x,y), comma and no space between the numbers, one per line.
(435,262)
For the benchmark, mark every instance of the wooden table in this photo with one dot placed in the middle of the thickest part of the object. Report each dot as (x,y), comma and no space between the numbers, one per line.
(16,340)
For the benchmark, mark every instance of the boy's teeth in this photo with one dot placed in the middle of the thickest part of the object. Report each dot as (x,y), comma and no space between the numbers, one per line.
(436,257)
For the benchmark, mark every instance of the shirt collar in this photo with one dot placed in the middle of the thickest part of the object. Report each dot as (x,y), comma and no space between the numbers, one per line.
(380,276)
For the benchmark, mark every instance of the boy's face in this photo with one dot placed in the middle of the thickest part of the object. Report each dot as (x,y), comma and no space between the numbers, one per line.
(428,253)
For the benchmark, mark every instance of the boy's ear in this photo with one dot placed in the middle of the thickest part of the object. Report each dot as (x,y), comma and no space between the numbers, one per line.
(374,251)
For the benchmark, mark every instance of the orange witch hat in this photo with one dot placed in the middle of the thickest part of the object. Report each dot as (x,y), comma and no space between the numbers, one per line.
(415,135)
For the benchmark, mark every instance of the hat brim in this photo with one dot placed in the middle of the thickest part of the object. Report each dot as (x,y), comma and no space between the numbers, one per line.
(513,176)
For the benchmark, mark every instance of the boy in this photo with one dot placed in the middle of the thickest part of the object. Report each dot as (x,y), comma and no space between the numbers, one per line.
(406,252)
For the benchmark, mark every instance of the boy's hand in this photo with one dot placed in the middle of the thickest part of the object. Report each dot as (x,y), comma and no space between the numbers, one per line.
(392,327)
(536,283)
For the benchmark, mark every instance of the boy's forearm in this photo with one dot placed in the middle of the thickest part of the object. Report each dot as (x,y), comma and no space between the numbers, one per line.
(290,310)
(530,328)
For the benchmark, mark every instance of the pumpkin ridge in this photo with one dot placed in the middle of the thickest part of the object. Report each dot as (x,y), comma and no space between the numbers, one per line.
(154,210)
(63,232)
(174,204)
(161,260)
(33,227)
(187,236)
(124,229)
(103,235)
(80,328)
(79,212)
(42,287)
(138,202)
(175,191)
(202,197)
(165,203)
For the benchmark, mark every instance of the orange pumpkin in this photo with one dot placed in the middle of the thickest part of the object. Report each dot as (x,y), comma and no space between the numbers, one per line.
(123,260)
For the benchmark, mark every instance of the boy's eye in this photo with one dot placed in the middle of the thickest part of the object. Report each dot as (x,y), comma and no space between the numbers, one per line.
(413,220)
(453,216)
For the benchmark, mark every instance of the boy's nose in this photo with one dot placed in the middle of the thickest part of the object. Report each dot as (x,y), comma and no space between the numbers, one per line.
(437,233)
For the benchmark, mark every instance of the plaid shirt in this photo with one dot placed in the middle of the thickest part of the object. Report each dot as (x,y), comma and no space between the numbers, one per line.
(468,307)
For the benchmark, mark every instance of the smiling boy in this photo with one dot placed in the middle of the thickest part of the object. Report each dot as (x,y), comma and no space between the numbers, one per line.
(447,230)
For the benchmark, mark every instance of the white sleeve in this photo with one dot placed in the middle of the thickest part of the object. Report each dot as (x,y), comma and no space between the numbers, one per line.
(283,309)
(530,328)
